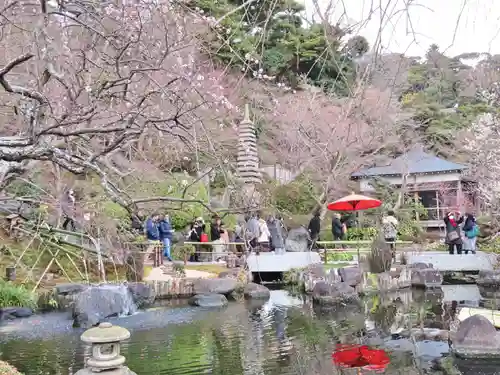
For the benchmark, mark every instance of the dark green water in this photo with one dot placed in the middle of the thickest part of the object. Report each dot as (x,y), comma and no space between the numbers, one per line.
(286,336)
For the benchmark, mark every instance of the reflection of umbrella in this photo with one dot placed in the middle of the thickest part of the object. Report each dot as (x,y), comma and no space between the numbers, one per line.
(354,202)
(360,356)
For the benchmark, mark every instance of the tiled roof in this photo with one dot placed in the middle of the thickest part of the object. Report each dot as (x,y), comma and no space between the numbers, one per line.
(413,162)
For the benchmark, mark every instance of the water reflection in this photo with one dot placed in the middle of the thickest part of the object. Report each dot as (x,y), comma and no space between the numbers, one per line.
(286,335)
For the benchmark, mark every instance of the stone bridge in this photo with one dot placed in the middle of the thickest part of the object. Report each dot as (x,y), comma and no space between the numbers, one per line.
(459,263)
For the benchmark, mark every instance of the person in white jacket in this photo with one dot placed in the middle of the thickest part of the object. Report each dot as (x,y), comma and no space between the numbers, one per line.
(263,239)
(390,230)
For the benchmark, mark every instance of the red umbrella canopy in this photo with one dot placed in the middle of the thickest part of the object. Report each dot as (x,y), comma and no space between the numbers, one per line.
(360,356)
(354,202)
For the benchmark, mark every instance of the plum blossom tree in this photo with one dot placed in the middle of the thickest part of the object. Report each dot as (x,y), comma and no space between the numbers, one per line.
(328,139)
(481,142)
(86,81)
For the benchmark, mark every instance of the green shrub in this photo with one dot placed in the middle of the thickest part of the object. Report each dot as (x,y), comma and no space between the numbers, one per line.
(12,295)
(361,234)
(339,257)
(297,197)
(380,257)
(179,270)
(181,252)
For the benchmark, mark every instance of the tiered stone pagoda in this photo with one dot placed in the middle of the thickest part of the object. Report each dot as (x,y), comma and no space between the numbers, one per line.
(248,158)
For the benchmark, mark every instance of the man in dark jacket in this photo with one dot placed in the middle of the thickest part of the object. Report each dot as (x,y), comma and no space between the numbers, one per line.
(337,228)
(165,230)
(152,231)
(314,227)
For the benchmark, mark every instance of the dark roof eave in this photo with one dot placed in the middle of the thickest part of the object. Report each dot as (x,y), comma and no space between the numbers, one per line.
(356,176)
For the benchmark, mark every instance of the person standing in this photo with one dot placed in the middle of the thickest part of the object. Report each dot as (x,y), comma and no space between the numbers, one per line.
(252,232)
(197,229)
(390,230)
(165,230)
(216,232)
(337,228)
(314,227)
(471,231)
(152,232)
(452,221)
(264,236)
(276,235)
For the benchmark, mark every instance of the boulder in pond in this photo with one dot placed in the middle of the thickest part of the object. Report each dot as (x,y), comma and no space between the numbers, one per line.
(350,275)
(223,286)
(426,277)
(142,294)
(256,291)
(208,300)
(10,313)
(330,294)
(297,240)
(488,278)
(97,303)
(476,337)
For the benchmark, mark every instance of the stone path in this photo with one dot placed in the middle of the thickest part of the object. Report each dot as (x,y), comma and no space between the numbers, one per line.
(271,262)
(159,274)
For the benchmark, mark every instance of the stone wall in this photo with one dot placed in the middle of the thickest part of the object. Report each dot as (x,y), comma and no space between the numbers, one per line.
(177,287)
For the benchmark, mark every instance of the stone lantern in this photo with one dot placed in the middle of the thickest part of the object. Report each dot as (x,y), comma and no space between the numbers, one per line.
(105,340)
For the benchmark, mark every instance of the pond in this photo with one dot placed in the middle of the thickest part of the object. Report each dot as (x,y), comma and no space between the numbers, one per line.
(286,336)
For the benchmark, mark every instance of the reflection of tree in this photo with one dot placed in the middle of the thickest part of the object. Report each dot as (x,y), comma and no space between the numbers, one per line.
(161,351)
(226,353)
(383,313)
(43,356)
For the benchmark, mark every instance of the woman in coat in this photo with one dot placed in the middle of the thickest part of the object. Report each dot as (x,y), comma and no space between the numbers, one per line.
(276,235)
(452,220)
(471,231)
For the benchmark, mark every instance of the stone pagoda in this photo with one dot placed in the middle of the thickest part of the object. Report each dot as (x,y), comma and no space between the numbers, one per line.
(248,158)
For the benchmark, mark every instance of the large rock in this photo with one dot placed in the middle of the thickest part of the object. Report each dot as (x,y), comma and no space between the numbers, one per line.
(489,278)
(316,273)
(330,294)
(297,240)
(223,286)
(97,303)
(256,291)
(426,277)
(208,300)
(9,313)
(350,275)
(476,337)
(143,295)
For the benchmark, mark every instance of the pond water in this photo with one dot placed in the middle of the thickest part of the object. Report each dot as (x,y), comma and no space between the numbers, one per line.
(286,336)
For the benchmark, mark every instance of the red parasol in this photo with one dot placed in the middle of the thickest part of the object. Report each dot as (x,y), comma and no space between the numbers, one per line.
(354,202)
(360,356)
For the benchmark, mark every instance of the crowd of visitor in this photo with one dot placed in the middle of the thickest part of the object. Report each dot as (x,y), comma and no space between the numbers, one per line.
(257,234)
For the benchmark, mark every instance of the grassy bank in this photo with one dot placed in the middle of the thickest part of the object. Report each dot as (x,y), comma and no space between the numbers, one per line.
(12,295)
(6,369)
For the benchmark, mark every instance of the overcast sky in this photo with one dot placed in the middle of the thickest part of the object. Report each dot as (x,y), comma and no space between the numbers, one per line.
(457,26)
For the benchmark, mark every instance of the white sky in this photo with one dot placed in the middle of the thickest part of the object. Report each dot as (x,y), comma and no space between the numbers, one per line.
(434,21)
